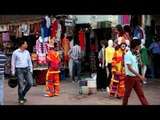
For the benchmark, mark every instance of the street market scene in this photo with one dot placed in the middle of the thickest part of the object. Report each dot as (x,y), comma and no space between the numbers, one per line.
(79,59)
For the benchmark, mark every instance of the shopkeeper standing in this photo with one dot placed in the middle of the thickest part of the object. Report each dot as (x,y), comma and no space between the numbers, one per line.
(21,65)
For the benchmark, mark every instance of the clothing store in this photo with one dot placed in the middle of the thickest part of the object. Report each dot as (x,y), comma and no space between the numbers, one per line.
(89,30)
(37,30)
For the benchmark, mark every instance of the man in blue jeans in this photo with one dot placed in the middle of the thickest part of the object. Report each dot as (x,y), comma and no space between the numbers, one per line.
(2,63)
(21,65)
(76,55)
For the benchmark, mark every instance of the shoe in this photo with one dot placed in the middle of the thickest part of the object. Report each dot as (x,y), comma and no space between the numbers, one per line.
(22,101)
(34,84)
(47,95)
(144,82)
(121,97)
(56,94)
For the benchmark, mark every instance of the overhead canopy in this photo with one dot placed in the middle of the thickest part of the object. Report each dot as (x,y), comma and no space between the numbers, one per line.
(4,19)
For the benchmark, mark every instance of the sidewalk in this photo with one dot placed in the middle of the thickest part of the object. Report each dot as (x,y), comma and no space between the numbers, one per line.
(69,95)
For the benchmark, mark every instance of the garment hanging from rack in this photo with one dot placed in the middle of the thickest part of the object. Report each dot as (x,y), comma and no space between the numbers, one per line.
(41,50)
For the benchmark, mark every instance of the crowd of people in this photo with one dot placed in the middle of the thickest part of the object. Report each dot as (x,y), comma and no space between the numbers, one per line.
(122,65)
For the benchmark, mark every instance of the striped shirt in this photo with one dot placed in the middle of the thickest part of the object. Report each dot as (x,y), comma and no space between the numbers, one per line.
(75,53)
(2,62)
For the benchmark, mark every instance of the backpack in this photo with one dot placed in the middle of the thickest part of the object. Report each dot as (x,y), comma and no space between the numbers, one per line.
(54,60)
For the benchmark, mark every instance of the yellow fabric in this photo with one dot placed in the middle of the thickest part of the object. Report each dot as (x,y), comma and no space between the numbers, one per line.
(109,51)
(54,71)
(117,59)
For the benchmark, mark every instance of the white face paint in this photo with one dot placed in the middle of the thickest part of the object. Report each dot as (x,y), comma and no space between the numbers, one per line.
(123,46)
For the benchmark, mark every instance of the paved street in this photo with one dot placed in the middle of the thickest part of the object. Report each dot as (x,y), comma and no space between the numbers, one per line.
(69,95)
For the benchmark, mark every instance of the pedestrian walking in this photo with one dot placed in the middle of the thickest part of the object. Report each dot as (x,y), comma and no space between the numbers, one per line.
(132,80)
(21,66)
(75,54)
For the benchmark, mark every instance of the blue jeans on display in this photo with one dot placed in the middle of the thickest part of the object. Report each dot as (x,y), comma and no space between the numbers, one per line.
(76,67)
(24,74)
(1,89)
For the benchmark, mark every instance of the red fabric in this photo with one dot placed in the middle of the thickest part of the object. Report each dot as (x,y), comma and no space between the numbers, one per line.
(66,48)
(54,29)
(54,60)
(53,83)
(133,82)
(81,39)
(37,28)
(92,47)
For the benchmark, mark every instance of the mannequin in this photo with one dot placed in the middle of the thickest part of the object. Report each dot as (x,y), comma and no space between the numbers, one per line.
(66,47)
(101,69)
(109,51)
(144,58)
(70,60)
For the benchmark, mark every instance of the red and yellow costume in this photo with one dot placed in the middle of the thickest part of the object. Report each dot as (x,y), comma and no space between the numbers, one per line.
(52,76)
(118,73)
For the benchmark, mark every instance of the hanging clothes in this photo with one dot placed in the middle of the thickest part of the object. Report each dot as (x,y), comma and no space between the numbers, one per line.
(81,39)
(69,30)
(31,29)
(3,28)
(25,29)
(59,31)
(5,36)
(41,50)
(37,27)
(62,22)
(11,30)
(54,28)
(125,19)
(120,19)
(46,26)
(19,32)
